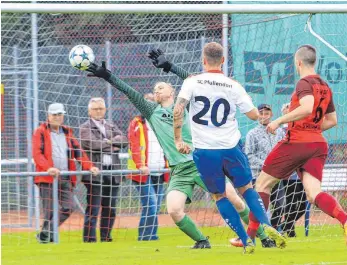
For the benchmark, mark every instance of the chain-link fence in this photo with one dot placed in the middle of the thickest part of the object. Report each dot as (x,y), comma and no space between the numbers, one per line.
(127,40)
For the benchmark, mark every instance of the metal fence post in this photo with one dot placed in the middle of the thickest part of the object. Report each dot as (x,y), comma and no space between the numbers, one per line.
(30,180)
(55,211)
(16,121)
(34,31)
(109,88)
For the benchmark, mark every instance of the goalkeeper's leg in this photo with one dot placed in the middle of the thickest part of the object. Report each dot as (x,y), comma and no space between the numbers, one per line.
(175,201)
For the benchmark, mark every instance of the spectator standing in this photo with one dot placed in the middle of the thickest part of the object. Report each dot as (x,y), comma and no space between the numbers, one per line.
(54,150)
(147,155)
(259,144)
(102,141)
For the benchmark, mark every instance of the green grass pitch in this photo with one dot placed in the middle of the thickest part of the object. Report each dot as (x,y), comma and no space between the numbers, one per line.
(173,249)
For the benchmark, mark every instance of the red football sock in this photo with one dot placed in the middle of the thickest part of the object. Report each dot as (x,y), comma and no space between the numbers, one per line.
(253,226)
(253,222)
(266,199)
(331,206)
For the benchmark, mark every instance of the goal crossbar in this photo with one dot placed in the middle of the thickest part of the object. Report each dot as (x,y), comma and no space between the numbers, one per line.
(174,8)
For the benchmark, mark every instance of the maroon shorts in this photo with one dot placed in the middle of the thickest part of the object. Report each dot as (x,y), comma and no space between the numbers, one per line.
(286,158)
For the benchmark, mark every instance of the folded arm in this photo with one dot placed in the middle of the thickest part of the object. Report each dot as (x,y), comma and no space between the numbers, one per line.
(91,143)
(119,140)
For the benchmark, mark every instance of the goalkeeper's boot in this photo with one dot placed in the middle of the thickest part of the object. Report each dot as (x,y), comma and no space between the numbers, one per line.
(268,243)
(202,244)
(249,248)
(276,236)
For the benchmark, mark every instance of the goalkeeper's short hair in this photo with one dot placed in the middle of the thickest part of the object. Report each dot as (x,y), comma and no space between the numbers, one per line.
(165,83)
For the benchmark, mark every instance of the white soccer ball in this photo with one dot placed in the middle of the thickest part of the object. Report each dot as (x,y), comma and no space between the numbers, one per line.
(81,57)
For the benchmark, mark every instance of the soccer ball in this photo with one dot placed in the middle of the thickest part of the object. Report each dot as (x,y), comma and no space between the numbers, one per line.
(81,56)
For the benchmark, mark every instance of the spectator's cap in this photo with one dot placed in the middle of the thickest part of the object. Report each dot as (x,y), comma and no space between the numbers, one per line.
(56,108)
(264,106)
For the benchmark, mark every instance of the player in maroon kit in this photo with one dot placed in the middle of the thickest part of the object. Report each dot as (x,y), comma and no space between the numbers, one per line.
(304,148)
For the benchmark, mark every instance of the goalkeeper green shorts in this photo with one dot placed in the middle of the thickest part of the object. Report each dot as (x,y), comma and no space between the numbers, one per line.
(184,177)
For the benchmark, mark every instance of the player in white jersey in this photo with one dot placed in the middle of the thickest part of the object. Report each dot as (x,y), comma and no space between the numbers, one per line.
(213,100)
(213,109)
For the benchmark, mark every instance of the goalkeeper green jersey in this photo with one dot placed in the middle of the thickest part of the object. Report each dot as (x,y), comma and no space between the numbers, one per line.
(160,119)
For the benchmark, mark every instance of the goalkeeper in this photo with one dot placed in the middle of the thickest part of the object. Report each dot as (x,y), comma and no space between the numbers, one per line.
(184,174)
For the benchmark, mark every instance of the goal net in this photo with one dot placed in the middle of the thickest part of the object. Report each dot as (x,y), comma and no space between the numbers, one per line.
(260,57)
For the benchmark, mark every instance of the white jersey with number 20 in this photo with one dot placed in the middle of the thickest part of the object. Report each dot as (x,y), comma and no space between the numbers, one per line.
(213,101)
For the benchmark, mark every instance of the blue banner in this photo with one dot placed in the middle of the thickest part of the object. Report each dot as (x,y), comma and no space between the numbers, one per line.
(263,48)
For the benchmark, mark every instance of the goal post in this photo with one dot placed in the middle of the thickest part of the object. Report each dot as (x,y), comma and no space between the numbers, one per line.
(260,38)
(176,8)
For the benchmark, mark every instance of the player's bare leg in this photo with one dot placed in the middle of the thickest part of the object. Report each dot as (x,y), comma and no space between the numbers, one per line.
(263,186)
(175,201)
(243,210)
(234,198)
(265,183)
(324,201)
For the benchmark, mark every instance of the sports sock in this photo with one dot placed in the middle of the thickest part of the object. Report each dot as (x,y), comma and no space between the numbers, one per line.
(245,218)
(330,206)
(188,227)
(258,204)
(253,219)
(245,215)
(232,218)
(261,233)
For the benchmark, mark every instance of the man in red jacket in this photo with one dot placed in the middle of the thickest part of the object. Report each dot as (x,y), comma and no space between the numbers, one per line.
(54,150)
(147,155)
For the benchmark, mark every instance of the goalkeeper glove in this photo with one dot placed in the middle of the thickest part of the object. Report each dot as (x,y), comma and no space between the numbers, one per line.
(99,71)
(159,60)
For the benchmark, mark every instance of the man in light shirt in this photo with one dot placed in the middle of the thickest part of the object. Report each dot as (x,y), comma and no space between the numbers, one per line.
(259,144)
(147,155)
(102,141)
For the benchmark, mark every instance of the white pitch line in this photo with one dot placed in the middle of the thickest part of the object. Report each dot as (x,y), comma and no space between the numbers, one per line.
(220,245)
(324,263)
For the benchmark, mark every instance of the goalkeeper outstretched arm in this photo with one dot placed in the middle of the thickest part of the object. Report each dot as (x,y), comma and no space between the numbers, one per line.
(159,61)
(145,107)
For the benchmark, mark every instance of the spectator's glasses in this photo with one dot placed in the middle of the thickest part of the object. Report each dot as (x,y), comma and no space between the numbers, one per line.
(98,109)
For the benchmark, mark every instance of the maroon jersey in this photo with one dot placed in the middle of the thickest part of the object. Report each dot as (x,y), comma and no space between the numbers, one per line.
(309,128)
